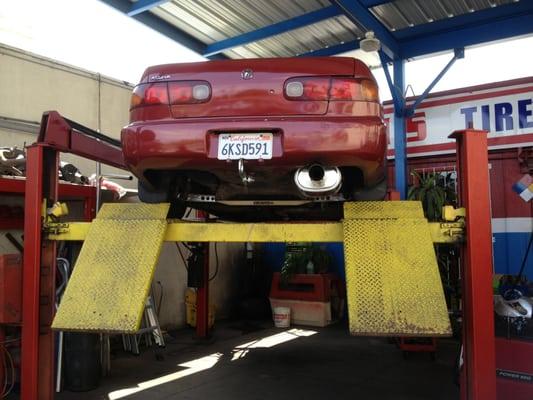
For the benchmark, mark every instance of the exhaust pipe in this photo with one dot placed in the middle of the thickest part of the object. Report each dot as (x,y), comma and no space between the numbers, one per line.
(316,172)
(316,180)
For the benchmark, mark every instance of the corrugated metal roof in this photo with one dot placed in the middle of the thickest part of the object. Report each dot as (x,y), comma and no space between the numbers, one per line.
(303,40)
(402,14)
(212,21)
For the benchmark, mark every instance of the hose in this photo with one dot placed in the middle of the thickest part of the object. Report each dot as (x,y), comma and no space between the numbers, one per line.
(6,355)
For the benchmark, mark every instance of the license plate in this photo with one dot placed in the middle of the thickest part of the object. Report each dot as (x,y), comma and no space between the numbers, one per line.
(250,146)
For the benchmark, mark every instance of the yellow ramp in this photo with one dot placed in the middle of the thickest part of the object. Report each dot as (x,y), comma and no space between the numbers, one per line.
(393,282)
(111,279)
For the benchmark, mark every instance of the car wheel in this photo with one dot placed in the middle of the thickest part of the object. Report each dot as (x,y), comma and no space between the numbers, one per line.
(150,196)
(377,192)
(177,208)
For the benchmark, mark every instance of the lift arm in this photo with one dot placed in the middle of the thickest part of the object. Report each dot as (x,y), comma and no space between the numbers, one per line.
(67,136)
(318,232)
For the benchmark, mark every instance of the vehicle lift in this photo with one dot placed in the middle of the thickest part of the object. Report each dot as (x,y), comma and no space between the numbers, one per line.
(42,230)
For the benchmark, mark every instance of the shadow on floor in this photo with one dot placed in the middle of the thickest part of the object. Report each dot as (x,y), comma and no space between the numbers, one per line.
(295,363)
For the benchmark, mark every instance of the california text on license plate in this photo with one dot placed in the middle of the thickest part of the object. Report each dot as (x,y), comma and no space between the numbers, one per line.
(250,146)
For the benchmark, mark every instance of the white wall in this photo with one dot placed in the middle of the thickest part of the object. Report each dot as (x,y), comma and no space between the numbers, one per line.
(174,280)
(31,84)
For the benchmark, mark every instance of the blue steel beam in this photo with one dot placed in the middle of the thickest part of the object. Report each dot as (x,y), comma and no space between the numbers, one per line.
(333,50)
(144,5)
(464,20)
(467,36)
(338,49)
(272,30)
(374,3)
(400,135)
(162,27)
(397,87)
(360,15)
(410,110)
(396,93)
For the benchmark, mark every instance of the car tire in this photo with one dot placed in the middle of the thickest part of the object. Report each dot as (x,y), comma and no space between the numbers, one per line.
(177,208)
(149,196)
(377,192)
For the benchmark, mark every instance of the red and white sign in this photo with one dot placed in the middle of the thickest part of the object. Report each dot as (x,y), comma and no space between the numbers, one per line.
(505,109)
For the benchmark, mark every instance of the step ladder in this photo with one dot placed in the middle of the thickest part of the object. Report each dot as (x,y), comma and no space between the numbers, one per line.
(150,329)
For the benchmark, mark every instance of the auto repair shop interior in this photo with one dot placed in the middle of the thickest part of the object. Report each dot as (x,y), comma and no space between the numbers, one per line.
(243,199)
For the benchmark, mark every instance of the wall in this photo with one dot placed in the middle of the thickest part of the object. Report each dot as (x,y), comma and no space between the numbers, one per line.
(174,281)
(31,84)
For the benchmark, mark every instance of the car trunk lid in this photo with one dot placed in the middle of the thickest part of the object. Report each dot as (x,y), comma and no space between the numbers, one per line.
(250,87)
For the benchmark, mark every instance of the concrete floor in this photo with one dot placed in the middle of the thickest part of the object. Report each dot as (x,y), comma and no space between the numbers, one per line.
(300,363)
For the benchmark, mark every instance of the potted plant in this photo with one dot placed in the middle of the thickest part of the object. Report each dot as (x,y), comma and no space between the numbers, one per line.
(305,258)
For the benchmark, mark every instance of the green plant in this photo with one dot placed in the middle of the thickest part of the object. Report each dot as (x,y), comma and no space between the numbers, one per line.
(434,190)
(298,258)
(430,191)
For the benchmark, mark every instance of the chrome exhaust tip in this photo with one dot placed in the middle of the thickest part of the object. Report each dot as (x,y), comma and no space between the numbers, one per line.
(316,180)
(316,172)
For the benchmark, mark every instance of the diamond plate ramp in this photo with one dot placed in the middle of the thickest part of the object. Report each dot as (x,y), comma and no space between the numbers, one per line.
(392,277)
(383,210)
(108,287)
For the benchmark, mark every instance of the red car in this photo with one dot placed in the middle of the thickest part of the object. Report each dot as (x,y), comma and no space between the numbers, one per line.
(258,139)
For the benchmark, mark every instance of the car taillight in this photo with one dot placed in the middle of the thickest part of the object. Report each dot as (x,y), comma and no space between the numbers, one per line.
(149,94)
(170,93)
(189,92)
(334,89)
(369,90)
(308,88)
(343,89)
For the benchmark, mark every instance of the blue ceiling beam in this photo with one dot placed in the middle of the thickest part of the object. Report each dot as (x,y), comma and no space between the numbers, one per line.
(162,27)
(144,5)
(374,3)
(463,20)
(272,30)
(458,54)
(339,49)
(468,36)
(359,15)
(333,50)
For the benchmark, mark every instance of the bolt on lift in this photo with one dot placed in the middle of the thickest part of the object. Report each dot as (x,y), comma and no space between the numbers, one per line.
(388,246)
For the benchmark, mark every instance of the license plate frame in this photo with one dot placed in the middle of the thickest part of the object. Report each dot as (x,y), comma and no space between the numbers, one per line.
(245,145)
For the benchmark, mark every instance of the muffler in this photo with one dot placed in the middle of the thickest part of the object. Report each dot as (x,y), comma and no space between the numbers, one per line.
(316,180)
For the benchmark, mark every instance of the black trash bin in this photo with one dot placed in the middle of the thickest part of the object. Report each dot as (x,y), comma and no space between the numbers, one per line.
(81,361)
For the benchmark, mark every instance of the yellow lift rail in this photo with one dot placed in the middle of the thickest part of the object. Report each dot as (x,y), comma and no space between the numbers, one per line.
(393,282)
(264,232)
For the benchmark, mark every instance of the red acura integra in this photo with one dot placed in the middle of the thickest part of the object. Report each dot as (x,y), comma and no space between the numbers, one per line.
(258,139)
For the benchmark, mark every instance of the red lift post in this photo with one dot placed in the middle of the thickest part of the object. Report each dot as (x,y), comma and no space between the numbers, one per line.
(57,135)
(17,187)
(478,376)
(202,299)
(202,294)
(37,367)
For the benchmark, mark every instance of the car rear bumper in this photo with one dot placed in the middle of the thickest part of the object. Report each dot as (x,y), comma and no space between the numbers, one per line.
(192,144)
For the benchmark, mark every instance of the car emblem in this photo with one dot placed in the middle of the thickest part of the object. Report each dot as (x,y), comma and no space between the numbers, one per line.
(247,74)
(159,77)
